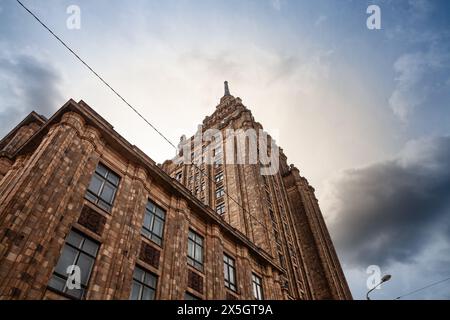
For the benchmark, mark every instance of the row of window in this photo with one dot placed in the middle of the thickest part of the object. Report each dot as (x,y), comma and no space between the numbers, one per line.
(80,251)
(74,268)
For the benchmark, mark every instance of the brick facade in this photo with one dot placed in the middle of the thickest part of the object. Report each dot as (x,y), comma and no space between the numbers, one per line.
(46,167)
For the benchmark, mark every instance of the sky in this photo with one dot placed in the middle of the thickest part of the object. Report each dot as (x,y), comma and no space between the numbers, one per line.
(364,114)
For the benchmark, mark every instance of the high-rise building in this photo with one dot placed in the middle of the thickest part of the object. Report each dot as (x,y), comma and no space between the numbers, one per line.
(86,215)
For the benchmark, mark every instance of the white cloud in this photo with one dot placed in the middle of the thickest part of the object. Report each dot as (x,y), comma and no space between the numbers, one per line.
(321,19)
(412,70)
(276,4)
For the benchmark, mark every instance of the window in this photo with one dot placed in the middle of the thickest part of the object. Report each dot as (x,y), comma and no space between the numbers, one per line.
(103,187)
(218,152)
(189,296)
(220,209)
(144,285)
(229,270)
(195,250)
(257,287)
(81,252)
(218,177)
(153,226)
(179,176)
(220,192)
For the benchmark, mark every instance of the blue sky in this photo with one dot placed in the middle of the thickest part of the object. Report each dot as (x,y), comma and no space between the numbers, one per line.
(363,113)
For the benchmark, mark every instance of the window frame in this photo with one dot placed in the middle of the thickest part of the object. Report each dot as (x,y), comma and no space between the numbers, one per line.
(232,285)
(151,234)
(192,261)
(96,198)
(79,250)
(142,284)
(223,209)
(257,283)
(220,192)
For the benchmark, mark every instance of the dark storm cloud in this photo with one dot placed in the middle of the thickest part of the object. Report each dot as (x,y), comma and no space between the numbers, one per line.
(27,84)
(391,211)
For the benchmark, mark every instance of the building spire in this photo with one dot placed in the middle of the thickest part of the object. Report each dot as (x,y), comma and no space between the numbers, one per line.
(227,91)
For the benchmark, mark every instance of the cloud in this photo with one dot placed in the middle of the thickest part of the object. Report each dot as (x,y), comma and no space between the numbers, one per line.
(414,73)
(321,19)
(26,84)
(276,4)
(392,212)
(420,9)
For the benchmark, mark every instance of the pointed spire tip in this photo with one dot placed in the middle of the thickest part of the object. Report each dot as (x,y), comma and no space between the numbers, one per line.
(227,90)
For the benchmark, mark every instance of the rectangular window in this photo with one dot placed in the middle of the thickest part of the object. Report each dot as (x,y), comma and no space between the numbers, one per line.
(195,250)
(257,287)
(103,187)
(189,296)
(153,226)
(78,251)
(220,192)
(220,209)
(218,177)
(144,285)
(229,270)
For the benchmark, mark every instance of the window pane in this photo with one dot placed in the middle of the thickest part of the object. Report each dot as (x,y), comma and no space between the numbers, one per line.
(158,227)
(113,178)
(101,170)
(135,291)
(105,206)
(199,254)
(150,206)
(90,247)
(190,249)
(148,220)
(225,272)
(77,293)
(95,184)
(188,296)
(57,283)
(148,294)
(139,274)
(150,280)
(160,213)
(74,239)
(232,280)
(67,258)
(85,263)
(108,193)
(146,233)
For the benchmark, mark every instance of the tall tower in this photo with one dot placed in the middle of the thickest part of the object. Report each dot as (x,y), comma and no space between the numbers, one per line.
(278,212)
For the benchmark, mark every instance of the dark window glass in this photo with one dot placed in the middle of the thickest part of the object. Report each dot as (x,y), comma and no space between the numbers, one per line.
(188,296)
(220,209)
(257,287)
(79,251)
(144,285)
(218,177)
(229,270)
(220,192)
(195,250)
(153,226)
(103,187)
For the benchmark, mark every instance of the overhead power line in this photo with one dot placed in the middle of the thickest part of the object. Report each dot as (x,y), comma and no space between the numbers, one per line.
(423,288)
(97,75)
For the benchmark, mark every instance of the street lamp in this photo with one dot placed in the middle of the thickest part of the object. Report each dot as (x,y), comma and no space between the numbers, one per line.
(385,278)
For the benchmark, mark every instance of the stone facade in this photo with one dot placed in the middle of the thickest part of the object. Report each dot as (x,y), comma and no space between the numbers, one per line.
(47,167)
